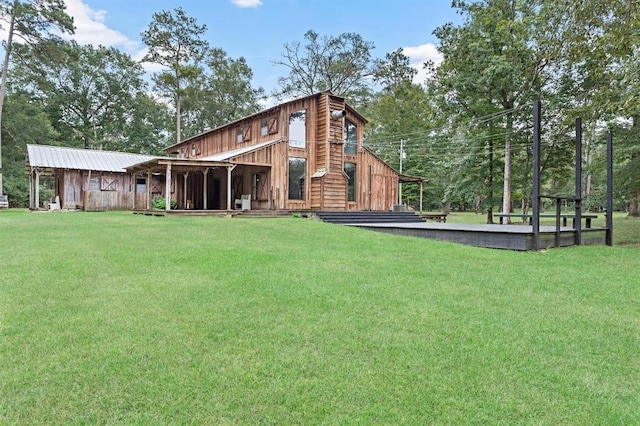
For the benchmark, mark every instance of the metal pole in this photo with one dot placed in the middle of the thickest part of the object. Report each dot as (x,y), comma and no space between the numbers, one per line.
(609,216)
(578,197)
(400,183)
(535,222)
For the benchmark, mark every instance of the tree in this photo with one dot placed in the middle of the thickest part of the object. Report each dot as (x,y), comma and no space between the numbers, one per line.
(91,96)
(174,41)
(221,92)
(25,122)
(496,58)
(340,64)
(30,22)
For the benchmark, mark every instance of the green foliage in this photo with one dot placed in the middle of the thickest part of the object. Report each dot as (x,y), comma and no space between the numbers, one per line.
(294,323)
(24,122)
(340,64)
(221,92)
(160,203)
(91,96)
(175,41)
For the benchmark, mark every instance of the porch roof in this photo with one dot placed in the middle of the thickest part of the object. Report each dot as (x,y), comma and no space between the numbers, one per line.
(222,159)
(228,155)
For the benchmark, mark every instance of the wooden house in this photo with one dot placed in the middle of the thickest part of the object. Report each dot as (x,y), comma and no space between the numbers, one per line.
(302,155)
(88,180)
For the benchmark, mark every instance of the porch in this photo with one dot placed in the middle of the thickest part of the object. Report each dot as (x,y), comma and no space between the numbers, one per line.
(209,187)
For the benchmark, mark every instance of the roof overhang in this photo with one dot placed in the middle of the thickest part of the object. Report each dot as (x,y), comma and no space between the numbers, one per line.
(177,164)
(411,179)
(223,159)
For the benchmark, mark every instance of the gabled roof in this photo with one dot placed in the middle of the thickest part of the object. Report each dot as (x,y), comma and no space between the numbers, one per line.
(265,111)
(226,156)
(57,157)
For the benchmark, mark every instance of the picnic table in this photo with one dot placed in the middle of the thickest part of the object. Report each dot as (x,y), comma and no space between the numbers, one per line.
(438,217)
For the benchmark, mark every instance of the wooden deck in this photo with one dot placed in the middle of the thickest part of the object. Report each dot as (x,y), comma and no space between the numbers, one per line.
(510,237)
(224,213)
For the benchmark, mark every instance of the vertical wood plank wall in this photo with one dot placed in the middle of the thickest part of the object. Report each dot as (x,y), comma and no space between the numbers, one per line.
(324,150)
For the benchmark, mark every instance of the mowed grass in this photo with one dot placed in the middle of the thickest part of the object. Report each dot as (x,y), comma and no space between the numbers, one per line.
(113,318)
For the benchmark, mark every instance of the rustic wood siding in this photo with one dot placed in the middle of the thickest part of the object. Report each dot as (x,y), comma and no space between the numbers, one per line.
(376,183)
(96,191)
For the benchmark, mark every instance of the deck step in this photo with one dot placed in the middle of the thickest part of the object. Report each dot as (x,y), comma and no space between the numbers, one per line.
(348,217)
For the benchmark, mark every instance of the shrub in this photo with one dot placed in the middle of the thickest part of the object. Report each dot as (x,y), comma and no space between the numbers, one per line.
(159,203)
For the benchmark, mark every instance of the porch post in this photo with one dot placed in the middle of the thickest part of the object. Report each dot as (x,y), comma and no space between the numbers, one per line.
(229,170)
(167,189)
(421,185)
(134,179)
(37,189)
(184,198)
(148,188)
(31,188)
(205,173)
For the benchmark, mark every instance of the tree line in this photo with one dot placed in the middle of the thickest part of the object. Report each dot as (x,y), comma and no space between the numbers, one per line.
(466,128)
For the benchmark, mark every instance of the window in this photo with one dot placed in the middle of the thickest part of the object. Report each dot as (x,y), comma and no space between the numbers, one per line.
(297,174)
(297,129)
(195,149)
(350,140)
(268,126)
(243,134)
(95,183)
(350,171)
(141,183)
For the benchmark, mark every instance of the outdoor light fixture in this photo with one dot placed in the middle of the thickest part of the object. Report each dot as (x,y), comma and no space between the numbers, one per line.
(337,115)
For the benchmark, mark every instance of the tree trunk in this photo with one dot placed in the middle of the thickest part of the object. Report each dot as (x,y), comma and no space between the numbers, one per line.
(447,207)
(506,192)
(634,206)
(3,83)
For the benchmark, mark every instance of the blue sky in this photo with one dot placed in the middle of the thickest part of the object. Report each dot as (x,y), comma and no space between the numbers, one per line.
(257,29)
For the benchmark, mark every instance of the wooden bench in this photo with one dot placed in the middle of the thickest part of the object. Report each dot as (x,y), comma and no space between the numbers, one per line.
(564,217)
(441,217)
(4,202)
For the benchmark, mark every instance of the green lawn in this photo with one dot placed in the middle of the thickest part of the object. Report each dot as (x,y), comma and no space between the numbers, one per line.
(113,318)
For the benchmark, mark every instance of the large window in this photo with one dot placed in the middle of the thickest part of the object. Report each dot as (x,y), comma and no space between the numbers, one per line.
(349,138)
(350,171)
(297,175)
(297,129)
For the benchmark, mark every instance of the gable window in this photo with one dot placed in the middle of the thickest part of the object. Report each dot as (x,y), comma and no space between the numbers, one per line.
(297,175)
(195,149)
(350,171)
(243,134)
(268,126)
(298,129)
(350,140)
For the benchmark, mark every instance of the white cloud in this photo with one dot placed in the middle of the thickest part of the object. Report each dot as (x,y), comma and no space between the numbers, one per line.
(247,3)
(418,55)
(91,28)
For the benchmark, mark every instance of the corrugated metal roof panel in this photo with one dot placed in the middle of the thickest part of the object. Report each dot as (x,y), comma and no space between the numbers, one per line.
(82,159)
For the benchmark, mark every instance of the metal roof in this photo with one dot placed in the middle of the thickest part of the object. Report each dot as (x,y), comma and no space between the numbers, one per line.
(226,156)
(57,157)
